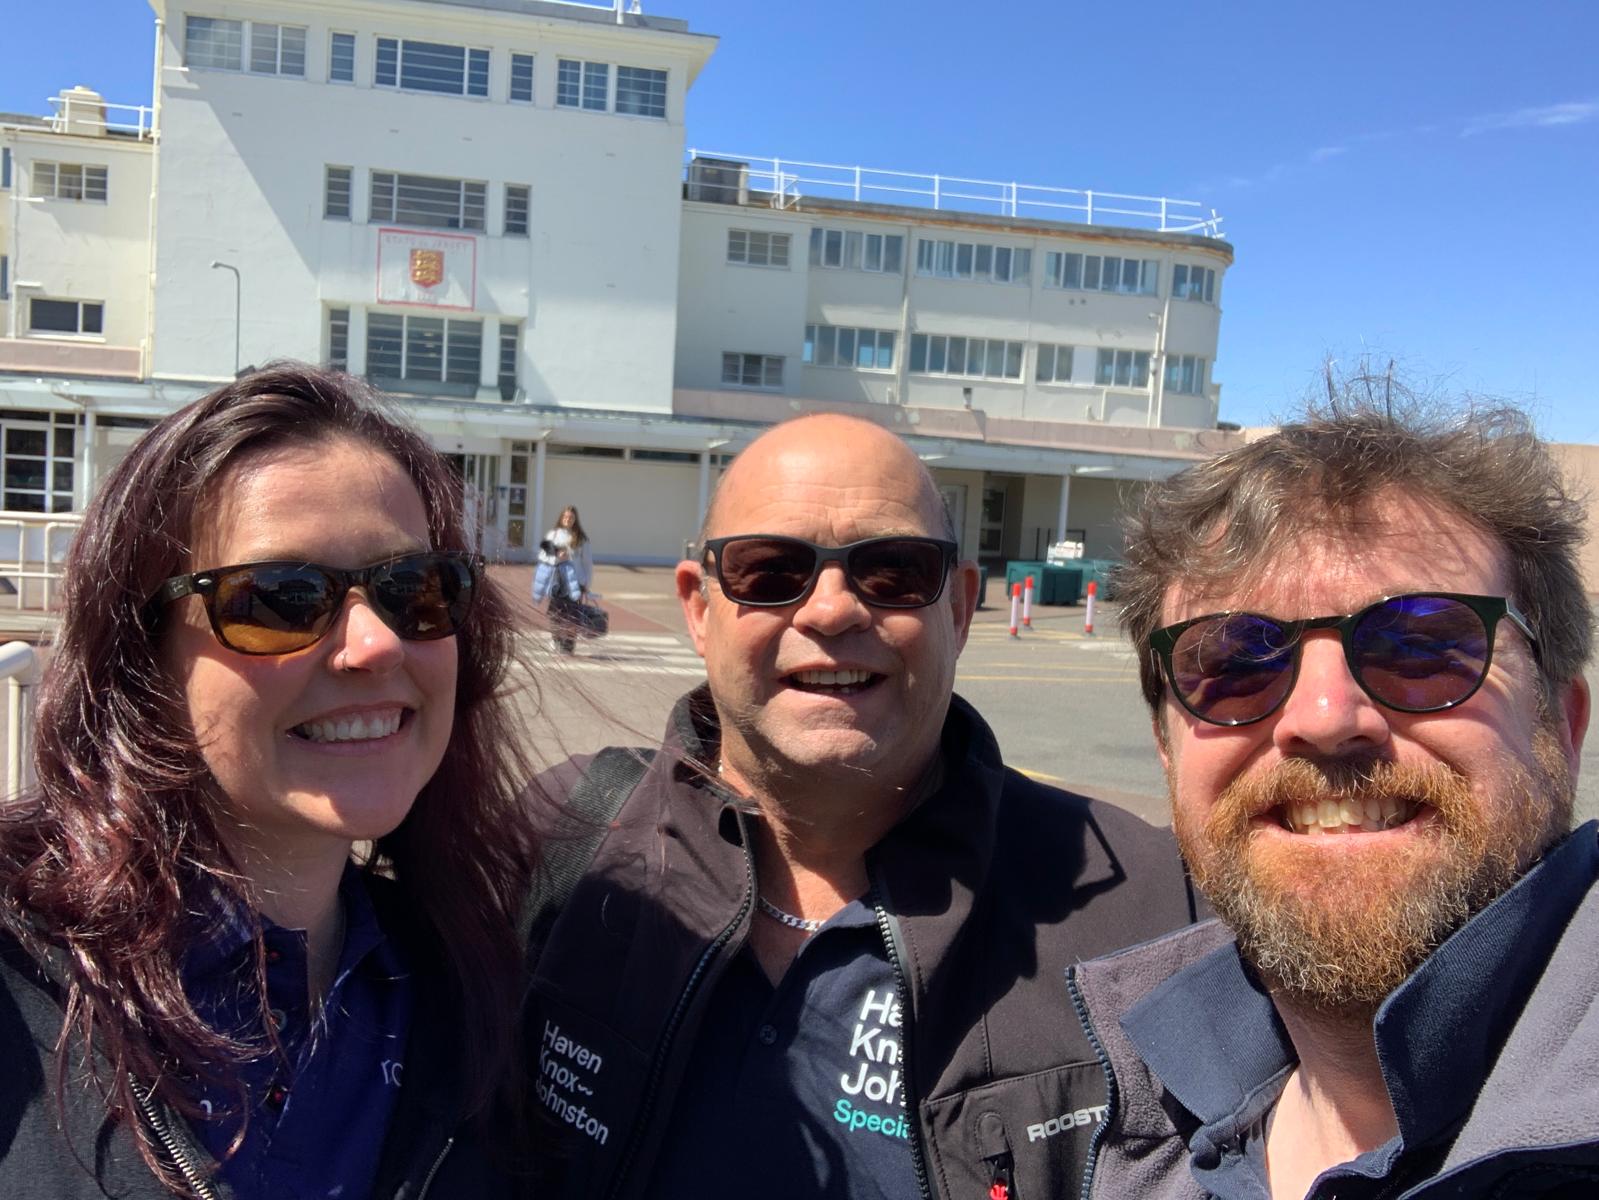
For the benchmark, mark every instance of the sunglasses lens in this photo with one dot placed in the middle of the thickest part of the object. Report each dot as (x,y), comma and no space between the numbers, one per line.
(898,572)
(1421,653)
(1233,669)
(768,571)
(424,597)
(273,609)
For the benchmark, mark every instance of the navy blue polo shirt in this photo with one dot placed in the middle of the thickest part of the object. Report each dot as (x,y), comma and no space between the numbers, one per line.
(319,1114)
(1212,1035)
(796,1090)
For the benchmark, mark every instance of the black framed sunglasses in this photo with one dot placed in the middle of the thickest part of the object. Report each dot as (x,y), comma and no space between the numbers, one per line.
(1416,653)
(765,570)
(281,607)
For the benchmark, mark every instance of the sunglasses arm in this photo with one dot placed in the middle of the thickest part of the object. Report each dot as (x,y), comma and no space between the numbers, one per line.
(180,586)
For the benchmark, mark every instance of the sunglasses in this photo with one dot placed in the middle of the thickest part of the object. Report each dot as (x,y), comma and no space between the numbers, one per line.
(1417,653)
(769,571)
(281,607)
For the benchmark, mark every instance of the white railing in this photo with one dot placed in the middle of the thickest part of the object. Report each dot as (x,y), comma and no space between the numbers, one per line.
(91,115)
(785,182)
(33,547)
(19,667)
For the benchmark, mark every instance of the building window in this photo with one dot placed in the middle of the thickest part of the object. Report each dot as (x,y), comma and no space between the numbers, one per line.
(431,67)
(1185,374)
(973,260)
(1101,273)
(860,349)
(5,277)
(582,84)
(423,349)
(425,201)
(522,78)
(69,181)
(38,467)
(214,43)
(1193,283)
(1054,364)
(753,248)
(641,92)
(336,194)
(339,339)
(341,58)
(277,49)
(66,316)
(977,358)
(1122,368)
(5,167)
(516,206)
(509,334)
(752,370)
(852,250)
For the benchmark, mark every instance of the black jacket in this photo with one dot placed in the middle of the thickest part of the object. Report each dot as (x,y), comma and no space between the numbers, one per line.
(984,895)
(429,1150)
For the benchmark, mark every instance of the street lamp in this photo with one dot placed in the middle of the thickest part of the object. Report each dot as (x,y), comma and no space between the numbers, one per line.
(237,286)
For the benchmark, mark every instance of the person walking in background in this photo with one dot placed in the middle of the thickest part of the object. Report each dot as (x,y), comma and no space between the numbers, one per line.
(566,550)
(203,991)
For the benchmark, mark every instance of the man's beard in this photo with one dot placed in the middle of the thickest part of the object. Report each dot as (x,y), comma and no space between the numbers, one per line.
(1339,932)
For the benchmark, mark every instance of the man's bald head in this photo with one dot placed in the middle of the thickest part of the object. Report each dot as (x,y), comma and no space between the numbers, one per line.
(864,448)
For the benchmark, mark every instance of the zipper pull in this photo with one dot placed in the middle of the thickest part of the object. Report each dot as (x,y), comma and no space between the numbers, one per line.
(1004,1185)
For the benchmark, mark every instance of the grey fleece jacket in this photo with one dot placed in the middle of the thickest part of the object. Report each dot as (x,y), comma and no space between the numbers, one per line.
(1526,1123)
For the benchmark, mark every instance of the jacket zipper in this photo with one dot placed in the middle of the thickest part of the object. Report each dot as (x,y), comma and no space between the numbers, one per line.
(1098,1136)
(427,1180)
(175,1149)
(1003,1185)
(652,1082)
(891,943)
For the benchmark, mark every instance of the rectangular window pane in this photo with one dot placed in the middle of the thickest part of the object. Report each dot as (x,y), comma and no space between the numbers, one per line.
(522,78)
(918,352)
(846,347)
(730,368)
(93,318)
(963,260)
(641,91)
(517,196)
(885,351)
(777,249)
(1044,370)
(5,166)
(1091,272)
(957,356)
(568,83)
(807,352)
(42,180)
(385,345)
(474,205)
(1105,368)
(263,48)
(339,338)
(1021,266)
(596,85)
(772,371)
(984,262)
(509,334)
(5,277)
(341,58)
(424,349)
(1013,360)
(213,42)
(1179,282)
(477,72)
(852,250)
(826,346)
(432,67)
(465,352)
(873,253)
(387,71)
(816,246)
(893,254)
(946,260)
(53,316)
(833,248)
(937,353)
(924,257)
(382,205)
(336,194)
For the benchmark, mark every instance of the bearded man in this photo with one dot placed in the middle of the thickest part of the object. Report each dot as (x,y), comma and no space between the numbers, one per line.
(1362,641)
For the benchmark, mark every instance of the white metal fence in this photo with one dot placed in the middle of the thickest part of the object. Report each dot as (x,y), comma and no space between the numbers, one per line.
(732,178)
(33,547)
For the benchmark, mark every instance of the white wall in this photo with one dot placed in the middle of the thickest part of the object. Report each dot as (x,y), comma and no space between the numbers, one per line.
(242,181)
(631,511)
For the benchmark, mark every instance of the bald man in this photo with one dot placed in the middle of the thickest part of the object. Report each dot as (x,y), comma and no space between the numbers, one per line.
(820,950)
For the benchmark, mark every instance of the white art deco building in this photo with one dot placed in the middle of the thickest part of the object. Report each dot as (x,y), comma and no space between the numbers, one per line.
(488,208)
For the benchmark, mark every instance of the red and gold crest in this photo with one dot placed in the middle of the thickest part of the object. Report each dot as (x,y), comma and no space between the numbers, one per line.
(427,268)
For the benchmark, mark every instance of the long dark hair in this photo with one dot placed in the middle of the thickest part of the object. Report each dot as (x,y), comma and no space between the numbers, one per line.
(578,536)
(99,866)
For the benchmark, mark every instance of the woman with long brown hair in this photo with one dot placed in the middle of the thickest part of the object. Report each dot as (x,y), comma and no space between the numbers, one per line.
(274,649)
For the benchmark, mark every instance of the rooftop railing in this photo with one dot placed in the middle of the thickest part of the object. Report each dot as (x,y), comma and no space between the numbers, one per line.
(94,117)
(735,178)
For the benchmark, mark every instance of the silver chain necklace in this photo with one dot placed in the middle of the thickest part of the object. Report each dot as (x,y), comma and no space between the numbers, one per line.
(787,918)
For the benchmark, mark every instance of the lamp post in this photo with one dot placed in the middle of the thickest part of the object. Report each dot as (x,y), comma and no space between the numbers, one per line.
(237,290)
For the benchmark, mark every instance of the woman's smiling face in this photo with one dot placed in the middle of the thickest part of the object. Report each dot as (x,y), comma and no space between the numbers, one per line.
(330,744)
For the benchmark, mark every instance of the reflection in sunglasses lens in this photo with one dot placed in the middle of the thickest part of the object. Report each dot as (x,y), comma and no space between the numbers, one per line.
(1421,652)
(1235,668)
(766,570)
(899,573)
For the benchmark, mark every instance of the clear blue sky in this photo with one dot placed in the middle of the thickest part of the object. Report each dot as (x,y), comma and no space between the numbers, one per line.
(1416,180)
